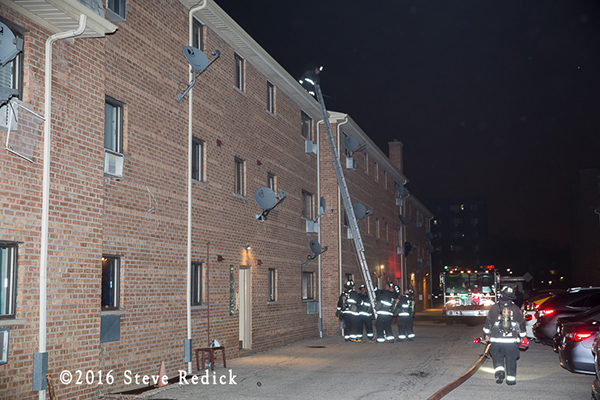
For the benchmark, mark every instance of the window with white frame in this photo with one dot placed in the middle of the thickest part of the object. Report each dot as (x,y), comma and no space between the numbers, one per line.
(11,73)
(307,126)
(198,160)
(198,291)
(240,177)
(239,72)
(308,285)
(272,181)
(113,125)
(198,35)
(308,210)
(111,270)
(272,284)
(8,278)
(270,98)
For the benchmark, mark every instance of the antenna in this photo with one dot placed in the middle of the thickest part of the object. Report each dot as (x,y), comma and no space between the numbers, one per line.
(316,249)
(266,199)
(199,63)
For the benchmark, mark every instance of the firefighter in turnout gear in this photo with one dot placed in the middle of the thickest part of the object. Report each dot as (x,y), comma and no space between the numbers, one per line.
(347,308)
(504,329)
(365,314)
(405,310)
(384,308)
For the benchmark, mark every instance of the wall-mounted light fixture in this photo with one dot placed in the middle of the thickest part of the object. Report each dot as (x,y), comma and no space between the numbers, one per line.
(247,246)
(219,257)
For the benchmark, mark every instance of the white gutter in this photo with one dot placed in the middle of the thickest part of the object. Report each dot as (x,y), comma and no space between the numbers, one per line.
(46,178)
(319,237)
(339,205)
(189,184)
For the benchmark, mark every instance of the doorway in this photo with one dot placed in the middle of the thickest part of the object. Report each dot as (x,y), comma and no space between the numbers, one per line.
(245,307)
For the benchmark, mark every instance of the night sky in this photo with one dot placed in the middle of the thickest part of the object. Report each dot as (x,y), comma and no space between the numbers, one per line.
(497,99)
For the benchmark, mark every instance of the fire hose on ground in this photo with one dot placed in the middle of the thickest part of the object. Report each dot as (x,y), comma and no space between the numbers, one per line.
(462,379)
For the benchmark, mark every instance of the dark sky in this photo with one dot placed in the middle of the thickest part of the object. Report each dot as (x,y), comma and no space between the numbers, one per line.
(498,99)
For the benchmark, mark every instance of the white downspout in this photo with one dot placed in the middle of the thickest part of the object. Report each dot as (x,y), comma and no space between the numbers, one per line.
(46,178)
(189,183)
(340,214)
(319,233)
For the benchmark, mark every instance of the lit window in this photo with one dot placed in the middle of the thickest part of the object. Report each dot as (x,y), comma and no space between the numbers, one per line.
(198,160)
(8,278)
(240,181)
(111,269)
(272,182)
(366,158)
(308,285)
(239,72)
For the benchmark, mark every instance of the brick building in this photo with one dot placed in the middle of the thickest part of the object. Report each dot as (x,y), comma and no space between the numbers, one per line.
(128,278)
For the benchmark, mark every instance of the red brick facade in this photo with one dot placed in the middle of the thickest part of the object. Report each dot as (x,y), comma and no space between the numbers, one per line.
(142,216)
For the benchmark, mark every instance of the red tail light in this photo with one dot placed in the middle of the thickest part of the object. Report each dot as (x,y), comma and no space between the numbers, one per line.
(546,312)
(536,306)
(578,336)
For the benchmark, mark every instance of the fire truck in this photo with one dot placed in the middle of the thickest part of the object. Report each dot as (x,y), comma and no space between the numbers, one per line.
(468,292)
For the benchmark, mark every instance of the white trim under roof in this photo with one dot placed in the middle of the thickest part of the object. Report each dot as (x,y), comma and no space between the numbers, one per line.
(374,151)
(62,16)
(223,25)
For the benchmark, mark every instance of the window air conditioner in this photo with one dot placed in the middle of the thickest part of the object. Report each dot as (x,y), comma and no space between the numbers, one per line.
(312,307)
(310,147)
(312,227)
(5,117)
(113,163)
(350,163)
(348,233)
(399,250)
(399,201)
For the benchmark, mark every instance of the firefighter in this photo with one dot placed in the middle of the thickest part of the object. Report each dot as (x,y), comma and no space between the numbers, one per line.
(504,329)
(384,308)
(365,314)
(347,308)
(405,312)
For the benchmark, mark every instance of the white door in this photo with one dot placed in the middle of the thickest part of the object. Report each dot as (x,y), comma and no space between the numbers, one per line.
(245,308)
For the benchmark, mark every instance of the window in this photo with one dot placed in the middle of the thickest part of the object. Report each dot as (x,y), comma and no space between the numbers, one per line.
(366,158)
(8,279)
(11,73)
(198,160)
(308,285)
(385,179)
(111,269)
(376,172)
(198,35)
(387,232)
(270,98)
(272,285)
(368,224)
(116,10)
(198,292)
(239,72)
(349,277)
(113,125)
(377,233)
(272,181)
(307,205)
(240,181)
(307,129)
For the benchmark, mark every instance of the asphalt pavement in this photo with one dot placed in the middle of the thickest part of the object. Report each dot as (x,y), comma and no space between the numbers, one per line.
(330,368)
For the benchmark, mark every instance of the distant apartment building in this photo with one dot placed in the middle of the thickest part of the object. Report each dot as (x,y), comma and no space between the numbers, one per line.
(153,243)
(459,231)
(585,235)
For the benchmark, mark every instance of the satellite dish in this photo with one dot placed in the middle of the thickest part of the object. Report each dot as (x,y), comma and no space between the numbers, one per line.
(316,249)
(10,45)
(402,219)
(199,63)
(360,211)
(351,145)
(265,198)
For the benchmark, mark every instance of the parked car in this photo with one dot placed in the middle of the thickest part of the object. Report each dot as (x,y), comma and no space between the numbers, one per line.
(596,382)
(531,305)
(575,348)
(591,314)
(573,301)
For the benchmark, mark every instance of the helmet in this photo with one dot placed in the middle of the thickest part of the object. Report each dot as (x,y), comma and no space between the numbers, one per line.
(410,291)
(349,284)
(508,292)
(396,289)
(362,287)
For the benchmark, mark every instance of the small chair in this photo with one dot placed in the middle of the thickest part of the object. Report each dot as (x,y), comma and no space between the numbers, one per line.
(208,354)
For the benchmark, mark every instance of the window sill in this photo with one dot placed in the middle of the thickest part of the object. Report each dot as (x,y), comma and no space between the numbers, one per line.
(272,114)
(272,303)
(239,196)
(308,300)
(201,183)
(201,307)
(113,312)
(13,322)
(240,91)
